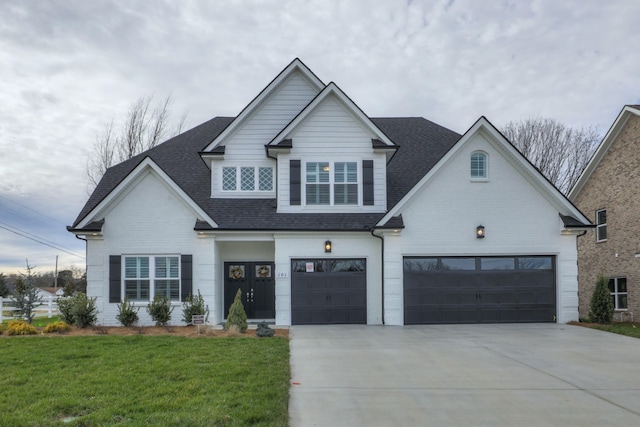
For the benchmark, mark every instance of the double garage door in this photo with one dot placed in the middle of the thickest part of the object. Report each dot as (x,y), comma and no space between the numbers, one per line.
(479,289)
(328,291)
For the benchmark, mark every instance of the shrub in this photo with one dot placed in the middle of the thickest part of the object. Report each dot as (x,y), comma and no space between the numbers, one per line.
(20,327)
(601,307)
(160,310)
(1,327)
(58,327)
(84,310)
(237,318)
(65,308)
(194,305)
(26,295)
(127,313)
(264,330)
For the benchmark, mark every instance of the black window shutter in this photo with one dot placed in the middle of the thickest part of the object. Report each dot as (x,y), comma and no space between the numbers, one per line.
(294,182)
(186,273)
(115,273)
(367,182)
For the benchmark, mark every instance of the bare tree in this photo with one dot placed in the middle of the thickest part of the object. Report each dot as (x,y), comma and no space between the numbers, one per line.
(558,151)
(145,126)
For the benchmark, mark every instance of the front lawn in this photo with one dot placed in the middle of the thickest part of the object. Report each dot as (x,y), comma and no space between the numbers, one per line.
(143,380)
(622,328)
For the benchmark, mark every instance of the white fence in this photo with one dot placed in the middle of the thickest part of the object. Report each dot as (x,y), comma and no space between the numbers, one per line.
(49,305)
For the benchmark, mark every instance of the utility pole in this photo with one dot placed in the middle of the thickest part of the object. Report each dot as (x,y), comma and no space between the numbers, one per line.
(55,279)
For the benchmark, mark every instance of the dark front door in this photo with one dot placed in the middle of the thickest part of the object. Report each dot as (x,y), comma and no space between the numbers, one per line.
(256,281)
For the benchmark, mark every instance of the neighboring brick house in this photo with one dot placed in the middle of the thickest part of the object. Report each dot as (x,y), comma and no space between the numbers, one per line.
(607,193)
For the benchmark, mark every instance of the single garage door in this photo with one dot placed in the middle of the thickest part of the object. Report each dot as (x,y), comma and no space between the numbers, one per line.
(479,289)
(328,291)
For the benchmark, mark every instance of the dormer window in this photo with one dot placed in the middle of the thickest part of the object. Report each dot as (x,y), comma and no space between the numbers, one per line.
(247,178)
(331,183)
(478,165)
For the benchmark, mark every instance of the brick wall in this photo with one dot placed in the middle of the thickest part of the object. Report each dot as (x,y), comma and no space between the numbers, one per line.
(614,186)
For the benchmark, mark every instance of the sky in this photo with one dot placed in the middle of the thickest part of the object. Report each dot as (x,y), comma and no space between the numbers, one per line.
(68,68)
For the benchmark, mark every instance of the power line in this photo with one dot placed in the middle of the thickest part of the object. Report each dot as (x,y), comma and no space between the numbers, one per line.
(35,236)
(20,233)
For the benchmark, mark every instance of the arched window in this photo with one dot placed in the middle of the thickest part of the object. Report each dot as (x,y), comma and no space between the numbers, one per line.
(478,165)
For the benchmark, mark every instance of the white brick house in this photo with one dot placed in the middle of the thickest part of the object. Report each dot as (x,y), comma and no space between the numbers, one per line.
(321,214)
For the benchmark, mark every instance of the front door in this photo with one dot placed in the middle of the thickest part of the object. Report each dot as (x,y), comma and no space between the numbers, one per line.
(255,280)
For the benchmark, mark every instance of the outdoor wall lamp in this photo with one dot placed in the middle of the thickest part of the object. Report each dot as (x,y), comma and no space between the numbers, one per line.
(480,232)
(327,246)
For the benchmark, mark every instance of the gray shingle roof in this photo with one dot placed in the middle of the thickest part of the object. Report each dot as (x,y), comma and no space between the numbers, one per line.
(421,144)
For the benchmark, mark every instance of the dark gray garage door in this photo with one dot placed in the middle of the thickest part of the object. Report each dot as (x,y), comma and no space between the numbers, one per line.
(325,291)
(479,289)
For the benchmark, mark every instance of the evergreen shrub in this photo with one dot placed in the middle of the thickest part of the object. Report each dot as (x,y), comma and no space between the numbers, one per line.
(160,310)
(237,318)
(601,307)
(127,313)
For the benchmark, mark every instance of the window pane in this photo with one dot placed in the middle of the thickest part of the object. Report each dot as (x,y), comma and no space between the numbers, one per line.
(622,302)
(317,172)
(421,264)
(345,194)
(602,232)
(174,267)
(247,179)
(478,165)
(137,290)
(317,194)
(161,266)
(346,172)
(228,179)
(535,263)
(300,265)
(458,263)
(622,284)
(601,217)
(612,285)
(136,267)
(497,263)
(168,288)
(265,178)
(347,265)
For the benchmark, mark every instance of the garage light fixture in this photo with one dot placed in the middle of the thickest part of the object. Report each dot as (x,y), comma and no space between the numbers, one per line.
(480,232)
(327,246)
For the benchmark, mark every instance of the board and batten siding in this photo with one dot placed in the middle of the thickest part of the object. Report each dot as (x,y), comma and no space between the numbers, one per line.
(332,133)
(441,220)
(245,146)
(151,219)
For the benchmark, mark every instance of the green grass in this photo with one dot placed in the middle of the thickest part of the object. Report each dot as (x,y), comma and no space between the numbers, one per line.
(623,328)
(144,380)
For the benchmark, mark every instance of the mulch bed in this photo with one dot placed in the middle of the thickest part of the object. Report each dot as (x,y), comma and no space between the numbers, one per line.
(176,331)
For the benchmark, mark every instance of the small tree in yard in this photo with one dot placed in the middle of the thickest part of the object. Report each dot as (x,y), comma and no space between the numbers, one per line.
(194,305)
(4,289)
(85,312)
(601,305)
(237,318)
(160,310)
(26,297)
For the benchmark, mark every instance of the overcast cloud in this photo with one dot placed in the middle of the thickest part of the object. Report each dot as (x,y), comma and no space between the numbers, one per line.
(69,67)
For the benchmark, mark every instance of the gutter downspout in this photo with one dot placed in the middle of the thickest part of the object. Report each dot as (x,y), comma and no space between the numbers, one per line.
(381,269)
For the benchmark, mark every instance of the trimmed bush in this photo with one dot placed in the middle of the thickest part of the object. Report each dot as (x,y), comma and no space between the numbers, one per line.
(20,327)
(85,312)
(264,331)
(58,327)
(237,318)
(601,307)
(160,310)
(194,305)
(65,308)
(127,313)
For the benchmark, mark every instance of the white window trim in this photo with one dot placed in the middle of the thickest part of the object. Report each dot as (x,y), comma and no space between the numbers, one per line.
(151,278)
(486,167)
(256,179)
(331,184)
(603,225)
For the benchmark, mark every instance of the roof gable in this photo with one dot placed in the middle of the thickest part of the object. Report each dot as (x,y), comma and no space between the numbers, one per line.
(296,66)
(506,149)
(615,129)
(331,90)
(147,165)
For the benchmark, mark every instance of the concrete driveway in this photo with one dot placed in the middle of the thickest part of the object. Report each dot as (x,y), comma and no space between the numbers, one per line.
(463,375)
